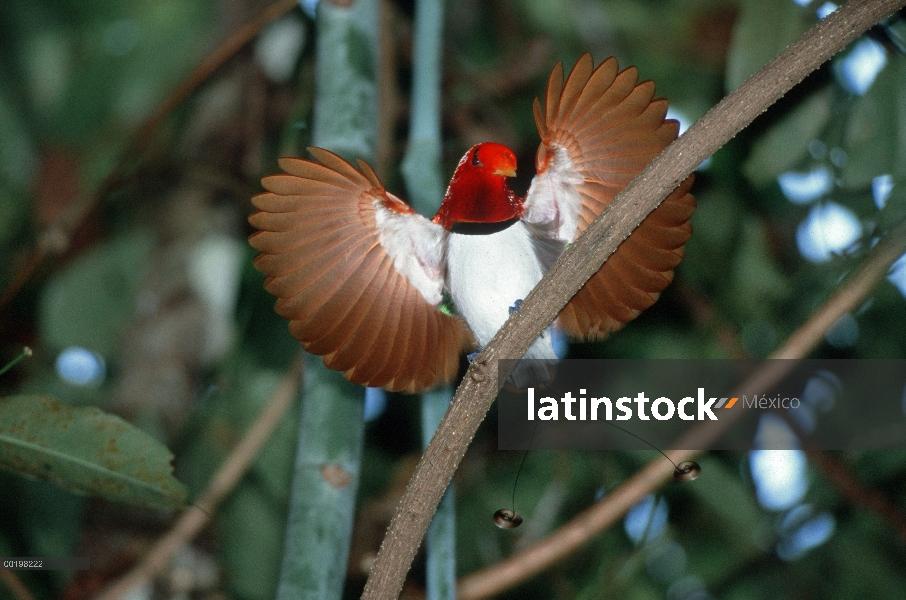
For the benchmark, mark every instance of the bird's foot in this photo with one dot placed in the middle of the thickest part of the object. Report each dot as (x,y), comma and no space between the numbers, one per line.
(471,357)
(516,306)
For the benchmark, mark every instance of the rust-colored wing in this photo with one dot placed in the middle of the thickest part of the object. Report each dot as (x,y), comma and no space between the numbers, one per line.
(358,274)
(599,130)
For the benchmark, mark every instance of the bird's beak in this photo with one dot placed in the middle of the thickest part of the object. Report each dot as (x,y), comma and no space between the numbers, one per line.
(506,172)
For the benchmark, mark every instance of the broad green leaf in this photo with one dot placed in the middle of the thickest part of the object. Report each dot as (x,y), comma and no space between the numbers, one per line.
(18,156)
(756,271)
(787,141)
(227,417)
(554,15)
(87,451)
(763,30)
(90,302)
(251,526)
(894,210)
(731,507)
(875,139)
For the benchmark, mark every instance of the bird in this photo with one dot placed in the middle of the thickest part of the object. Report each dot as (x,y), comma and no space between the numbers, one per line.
(393,299)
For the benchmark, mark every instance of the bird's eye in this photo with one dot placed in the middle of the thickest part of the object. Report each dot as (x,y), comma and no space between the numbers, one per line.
(475,160)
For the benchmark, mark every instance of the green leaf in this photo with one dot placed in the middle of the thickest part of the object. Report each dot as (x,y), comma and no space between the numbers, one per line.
(90,302)
(787,141)
(252,533)
(764,29)
(875,138)
(86,451)
(756,271)
(894,210)
(18,162)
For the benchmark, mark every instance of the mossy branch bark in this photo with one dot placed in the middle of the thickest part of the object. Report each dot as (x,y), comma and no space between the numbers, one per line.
(332,423)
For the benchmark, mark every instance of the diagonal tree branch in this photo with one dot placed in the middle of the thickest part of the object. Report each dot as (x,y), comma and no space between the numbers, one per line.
(582,528)
(15,585)
(478,390)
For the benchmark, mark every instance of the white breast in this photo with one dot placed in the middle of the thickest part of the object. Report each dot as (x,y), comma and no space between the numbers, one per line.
(486,274)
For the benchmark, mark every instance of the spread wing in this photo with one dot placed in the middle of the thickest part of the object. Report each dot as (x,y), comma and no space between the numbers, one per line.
(358,274)
(598,131)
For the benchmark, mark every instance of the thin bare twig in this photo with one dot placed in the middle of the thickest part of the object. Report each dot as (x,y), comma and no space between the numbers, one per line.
(477,391)
(852,489)
(55,239)
(594,520)
(15,585)
(194,518)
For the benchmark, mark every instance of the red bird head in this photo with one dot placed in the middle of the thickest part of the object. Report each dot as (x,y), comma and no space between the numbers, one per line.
(478,192)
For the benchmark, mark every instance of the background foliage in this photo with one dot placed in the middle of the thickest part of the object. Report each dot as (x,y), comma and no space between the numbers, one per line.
(158,287)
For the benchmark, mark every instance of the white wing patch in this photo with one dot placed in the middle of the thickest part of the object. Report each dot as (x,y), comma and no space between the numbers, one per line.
(416,246)
(553,202)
